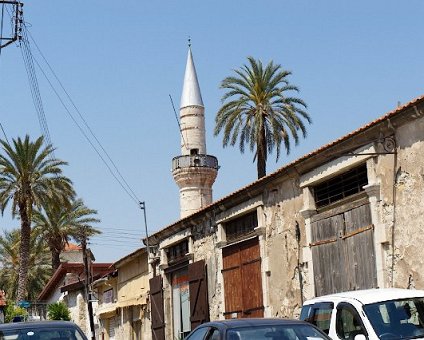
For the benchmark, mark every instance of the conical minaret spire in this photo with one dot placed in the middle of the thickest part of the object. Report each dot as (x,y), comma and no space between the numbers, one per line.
(191,90)
(194,171)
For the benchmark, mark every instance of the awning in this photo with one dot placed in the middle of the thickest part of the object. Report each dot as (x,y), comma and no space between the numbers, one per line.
(106,311)
(142,300)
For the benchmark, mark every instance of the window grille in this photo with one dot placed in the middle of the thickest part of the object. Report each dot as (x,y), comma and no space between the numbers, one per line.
(178,251)
(241,226)
(341,186)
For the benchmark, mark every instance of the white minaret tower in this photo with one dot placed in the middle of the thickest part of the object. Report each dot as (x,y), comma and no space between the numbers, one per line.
(194,171)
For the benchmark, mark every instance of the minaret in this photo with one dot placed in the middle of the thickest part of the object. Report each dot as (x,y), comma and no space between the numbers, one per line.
(194,171)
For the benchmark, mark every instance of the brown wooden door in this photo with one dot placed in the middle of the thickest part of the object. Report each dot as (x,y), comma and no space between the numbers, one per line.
(343,251)
(198,286)
(243,280)
(156,300)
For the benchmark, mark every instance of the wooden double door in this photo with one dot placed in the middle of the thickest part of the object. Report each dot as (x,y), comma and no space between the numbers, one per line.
(198,297)
(343,249)
(243,280)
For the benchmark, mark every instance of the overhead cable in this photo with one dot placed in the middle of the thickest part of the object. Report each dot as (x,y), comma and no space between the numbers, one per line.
(125,187)
(82,118)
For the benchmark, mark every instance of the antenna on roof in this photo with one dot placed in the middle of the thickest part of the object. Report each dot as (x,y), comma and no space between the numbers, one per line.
(178,122)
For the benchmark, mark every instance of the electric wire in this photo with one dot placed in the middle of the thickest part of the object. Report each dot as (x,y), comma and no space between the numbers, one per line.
(1,25)
(29,60)
(34,88)
(83,132)
(126,188)
(82,118)
(123,229)
(4,133)
(121,238)
(114,245)
(178,122)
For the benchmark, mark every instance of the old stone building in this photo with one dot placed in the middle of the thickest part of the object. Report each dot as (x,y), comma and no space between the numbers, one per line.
(122,308)
(347,216)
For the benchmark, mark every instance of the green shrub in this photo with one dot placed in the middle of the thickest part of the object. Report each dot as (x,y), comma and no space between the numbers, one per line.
(11,311)
(58,311)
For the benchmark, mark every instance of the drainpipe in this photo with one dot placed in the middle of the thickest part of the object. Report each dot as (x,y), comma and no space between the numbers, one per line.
(394,211)
(299,272)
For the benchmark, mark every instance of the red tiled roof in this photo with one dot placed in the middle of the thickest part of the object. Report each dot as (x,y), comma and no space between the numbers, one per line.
(67,267)
(72,246)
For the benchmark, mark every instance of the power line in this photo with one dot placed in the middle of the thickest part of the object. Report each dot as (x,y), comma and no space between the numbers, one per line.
(115,245)
(82,118)
(178,122)
(4,133)
(126,188)
(34,87)
(118,238)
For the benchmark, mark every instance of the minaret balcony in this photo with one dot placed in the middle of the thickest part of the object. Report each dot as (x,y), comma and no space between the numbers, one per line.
(199,161)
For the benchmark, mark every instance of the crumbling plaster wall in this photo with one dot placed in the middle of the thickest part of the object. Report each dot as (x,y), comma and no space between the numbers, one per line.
(282,204)
(409,206)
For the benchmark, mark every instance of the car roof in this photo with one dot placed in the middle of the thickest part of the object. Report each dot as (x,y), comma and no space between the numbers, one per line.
(238,323)
(368,296)
(36,324)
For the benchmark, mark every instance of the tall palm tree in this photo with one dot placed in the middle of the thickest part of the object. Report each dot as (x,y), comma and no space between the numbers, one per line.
(58,223)
(39,264)
(260,112)
(29,176)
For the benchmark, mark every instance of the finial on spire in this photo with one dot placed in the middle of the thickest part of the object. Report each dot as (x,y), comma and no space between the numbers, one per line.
(189,42)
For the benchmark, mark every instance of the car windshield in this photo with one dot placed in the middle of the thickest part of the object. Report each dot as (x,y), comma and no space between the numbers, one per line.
(397,319)
(41,334)
(282,332)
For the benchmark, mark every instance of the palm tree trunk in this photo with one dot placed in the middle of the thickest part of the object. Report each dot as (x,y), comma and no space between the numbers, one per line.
(261,153)
(23,252)
(55,258)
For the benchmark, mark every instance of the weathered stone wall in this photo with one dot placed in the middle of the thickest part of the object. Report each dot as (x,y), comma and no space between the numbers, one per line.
(409,207)
(282,204)
(205,247)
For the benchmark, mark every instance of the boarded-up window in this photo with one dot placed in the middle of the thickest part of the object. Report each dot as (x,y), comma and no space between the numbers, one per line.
(341,186)
(108,296)
(177,252)
(241,226)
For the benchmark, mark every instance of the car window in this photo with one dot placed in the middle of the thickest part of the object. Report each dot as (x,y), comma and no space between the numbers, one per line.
(6,335)
(348,322)
(318,314)
(214,335)
(198,333)
(41,334)
(286,332)
(396,319)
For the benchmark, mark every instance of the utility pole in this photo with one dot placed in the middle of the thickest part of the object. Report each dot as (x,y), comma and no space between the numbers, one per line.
(87,285)
(14,10)
(143,207)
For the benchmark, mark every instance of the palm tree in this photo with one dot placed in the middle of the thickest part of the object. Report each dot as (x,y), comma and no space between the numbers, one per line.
(39,264)
(259,112)
(58,223)
(29,176)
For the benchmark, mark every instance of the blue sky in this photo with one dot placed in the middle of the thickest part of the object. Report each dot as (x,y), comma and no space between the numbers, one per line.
(120,61)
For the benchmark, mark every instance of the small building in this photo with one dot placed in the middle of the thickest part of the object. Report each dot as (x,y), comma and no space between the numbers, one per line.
(68,284)
(123,299)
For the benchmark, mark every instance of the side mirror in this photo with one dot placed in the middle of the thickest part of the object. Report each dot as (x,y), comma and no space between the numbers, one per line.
(360,337)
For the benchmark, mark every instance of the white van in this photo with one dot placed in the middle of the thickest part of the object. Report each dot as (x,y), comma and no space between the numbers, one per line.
(373,314)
